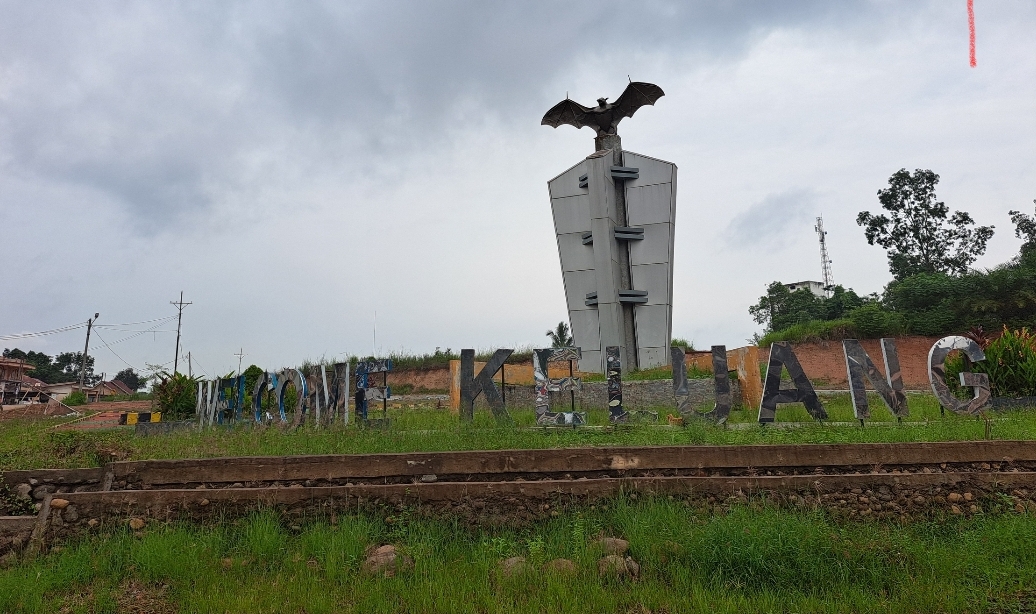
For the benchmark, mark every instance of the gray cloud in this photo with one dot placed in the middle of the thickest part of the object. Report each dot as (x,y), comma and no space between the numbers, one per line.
(767,222)
(294,166)
(158,106)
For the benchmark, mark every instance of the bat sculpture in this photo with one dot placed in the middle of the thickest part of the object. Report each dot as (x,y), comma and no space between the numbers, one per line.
(605,117)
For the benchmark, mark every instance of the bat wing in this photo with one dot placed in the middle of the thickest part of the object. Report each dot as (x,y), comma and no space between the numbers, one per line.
(567,112)
(636,95)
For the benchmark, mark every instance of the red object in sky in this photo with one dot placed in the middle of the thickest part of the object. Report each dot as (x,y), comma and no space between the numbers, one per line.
(971,31)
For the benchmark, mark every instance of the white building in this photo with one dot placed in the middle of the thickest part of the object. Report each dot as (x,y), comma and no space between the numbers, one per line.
(816,287)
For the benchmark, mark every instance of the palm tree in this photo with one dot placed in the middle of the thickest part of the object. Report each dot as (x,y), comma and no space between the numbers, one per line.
(559,337)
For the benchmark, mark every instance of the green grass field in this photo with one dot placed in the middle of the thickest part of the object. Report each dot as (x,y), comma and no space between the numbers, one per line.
(35,444)
(754,559)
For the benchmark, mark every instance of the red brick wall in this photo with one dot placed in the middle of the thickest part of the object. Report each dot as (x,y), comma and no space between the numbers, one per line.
(824,362)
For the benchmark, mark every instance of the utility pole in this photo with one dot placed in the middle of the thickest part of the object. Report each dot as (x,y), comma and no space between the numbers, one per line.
(86,349)
(179,318)
(190,367)
(240,354)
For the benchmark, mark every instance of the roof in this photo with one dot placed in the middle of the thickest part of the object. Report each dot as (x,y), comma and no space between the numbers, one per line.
(16,362)
(32,381)
(120,386)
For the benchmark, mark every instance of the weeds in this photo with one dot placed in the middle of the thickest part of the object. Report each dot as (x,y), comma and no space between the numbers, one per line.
(763,559)
(28,444)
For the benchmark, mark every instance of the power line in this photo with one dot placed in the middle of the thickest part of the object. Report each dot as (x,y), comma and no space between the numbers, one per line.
(134,323)
(42,333)
(65,329)
(139,333)
(113,351)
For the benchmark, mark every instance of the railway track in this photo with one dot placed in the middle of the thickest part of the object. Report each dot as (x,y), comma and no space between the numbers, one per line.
(898,477)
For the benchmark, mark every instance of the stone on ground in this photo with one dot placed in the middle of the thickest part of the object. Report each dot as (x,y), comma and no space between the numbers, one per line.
(387,560)
(613,545)
(616,566)
(513,566)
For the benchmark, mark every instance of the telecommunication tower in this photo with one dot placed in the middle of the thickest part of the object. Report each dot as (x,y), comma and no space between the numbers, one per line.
(825,261)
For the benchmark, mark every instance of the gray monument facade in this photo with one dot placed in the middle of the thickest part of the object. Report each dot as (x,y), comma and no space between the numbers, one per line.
(614,216)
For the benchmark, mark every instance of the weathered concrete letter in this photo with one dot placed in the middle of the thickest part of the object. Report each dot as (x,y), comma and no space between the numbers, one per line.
(471,386)
(979,382)
(781,357)
(858,364)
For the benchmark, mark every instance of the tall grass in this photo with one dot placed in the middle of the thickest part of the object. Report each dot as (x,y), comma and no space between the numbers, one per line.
(26,444)
(753,559)
(812,331)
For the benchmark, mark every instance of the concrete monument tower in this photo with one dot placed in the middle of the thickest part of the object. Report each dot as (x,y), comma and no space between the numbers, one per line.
(614,216)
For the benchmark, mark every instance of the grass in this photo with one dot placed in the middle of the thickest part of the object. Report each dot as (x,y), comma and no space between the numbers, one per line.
(755,558)
(812,331)
(34,444)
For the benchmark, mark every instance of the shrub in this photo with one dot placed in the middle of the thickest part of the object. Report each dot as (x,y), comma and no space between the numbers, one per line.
(1010,364)
(872,321)
(815,330)
(78,397)
(174,395)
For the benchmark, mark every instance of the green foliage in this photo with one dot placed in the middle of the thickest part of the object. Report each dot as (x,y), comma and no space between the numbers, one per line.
(131,378)
(560,337)
(812,331)
(936,304)
(918,232)
(1010,364)
(754,558)
(51,371)
(781,308)
(26,444)
(174,395)
(1025,229)
(682,343)
(872,321)
(252,375)
(76,398)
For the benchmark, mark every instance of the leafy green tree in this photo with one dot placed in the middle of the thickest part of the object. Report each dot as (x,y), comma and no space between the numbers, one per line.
(1025,228)
(918,231)
(560,337)
(131,378)
(252,375)
(43,366)
(71,364)
(780,308)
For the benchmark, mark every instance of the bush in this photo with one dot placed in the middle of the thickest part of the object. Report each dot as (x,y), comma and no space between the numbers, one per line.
(78,397)
(816,330)
(872,321)
(174,395)
(1010,364)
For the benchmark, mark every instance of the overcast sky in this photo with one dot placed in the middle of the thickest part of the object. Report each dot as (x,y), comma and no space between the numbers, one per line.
(296,167)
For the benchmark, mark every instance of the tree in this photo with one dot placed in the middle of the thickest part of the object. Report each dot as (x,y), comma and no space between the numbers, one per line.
(71,364)
(780,308)
(1025,228)
(559,337)
(919,233)
(131,378)
(44,368)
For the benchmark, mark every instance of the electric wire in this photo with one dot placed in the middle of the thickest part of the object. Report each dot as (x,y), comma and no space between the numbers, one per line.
(65,329)
(137,334)
(42,333)
(114,352)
